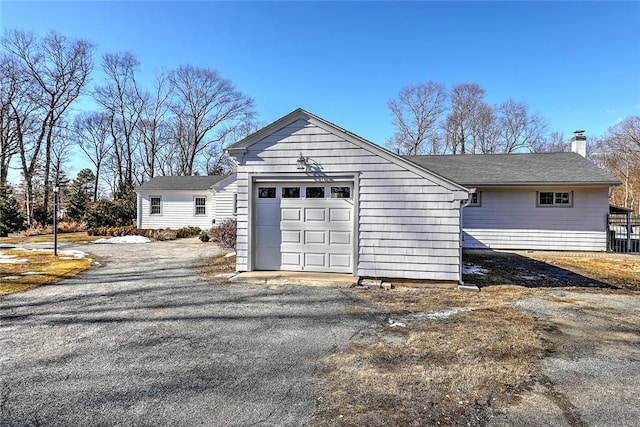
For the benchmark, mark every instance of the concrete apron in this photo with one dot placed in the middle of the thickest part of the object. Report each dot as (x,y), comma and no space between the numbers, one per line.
(281,278)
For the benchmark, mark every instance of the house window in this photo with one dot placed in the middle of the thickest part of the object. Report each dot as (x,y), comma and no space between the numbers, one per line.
(200,205)
(315,192)
(341,192)
(556,199)
(156,205)
(290,192)
(267,192)
(475,199)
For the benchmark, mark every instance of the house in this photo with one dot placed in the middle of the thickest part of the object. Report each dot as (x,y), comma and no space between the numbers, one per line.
(544,201)
(311,196)
(185,201)
(315,197)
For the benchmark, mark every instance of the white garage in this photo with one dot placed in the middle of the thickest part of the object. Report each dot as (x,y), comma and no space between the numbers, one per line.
(314,197)
(304,226)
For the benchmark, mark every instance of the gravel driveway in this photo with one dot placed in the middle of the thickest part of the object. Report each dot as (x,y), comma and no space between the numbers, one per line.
(143,340)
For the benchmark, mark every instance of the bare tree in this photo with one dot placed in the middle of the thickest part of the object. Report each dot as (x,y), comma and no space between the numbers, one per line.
(207,108)
(416,113)
(122,100)
(554,143)
(153,126)
(519,129)
(9,92)
(467,101)
(58,69)
(217,161)
(93,135)
(619,151)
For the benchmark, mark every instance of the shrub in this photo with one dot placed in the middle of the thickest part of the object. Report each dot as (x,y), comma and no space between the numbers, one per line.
(110,213)
(188,232)
(225,234)
(204,237)
(10,217)
(71,226)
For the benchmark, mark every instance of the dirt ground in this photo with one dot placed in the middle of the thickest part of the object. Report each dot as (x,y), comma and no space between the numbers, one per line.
(550,339)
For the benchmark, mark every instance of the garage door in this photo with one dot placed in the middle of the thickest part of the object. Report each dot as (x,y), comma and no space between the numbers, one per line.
(304,227)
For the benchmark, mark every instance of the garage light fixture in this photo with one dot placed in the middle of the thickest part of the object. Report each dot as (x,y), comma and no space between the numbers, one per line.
(301,163)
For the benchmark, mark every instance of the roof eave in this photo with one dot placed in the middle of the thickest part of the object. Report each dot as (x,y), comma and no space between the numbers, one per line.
(544,183)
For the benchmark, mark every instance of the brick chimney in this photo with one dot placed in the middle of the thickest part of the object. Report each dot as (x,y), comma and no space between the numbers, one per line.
(579,143)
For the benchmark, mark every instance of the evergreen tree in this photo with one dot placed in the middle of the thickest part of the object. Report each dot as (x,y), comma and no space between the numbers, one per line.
(80,193)
(10,217)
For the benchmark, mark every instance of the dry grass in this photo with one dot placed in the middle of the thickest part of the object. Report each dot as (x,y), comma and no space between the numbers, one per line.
(218,265)
(40,268)
(451,371)
(78,237)
(621,270)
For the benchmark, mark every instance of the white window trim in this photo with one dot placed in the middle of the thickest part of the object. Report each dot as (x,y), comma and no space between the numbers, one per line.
(195,206)
(151,205)
(554,204)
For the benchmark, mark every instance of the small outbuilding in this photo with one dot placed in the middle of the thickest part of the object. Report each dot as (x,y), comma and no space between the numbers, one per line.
(186,201)
(315,197)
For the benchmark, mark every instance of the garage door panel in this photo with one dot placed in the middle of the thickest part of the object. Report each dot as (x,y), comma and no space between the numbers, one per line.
(317,260)
(314,214)
(314,237)
(291,260)
(291,214)
(339,260)
(289,236)
(340,215)
(340,237)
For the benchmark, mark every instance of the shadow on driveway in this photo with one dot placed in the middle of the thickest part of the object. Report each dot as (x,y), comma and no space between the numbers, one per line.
(510,268)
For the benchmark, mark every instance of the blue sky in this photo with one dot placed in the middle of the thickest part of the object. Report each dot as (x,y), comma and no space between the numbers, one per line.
(577,63)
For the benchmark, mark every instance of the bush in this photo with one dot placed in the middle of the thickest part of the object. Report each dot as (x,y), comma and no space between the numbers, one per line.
(204,237)
(110,213)
(10,217)
(225,234)
(71,226)
(188,232)
(131,230)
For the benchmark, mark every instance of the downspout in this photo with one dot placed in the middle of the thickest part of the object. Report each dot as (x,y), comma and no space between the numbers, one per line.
(462,206)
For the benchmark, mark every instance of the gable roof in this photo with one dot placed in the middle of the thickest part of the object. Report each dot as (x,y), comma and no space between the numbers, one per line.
(177,183)
(241,147)
(517,169)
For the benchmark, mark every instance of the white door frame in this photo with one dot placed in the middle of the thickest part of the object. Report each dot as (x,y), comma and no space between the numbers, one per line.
(254,179)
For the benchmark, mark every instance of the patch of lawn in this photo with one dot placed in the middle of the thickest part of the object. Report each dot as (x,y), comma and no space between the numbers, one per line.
(451,370)
(218,265)
(78,237)
(21,270)
(615,269)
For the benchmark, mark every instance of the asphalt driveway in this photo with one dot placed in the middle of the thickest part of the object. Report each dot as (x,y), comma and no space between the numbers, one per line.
(141,339)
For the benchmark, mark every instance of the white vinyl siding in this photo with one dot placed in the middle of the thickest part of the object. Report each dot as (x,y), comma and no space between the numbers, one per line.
(407,225)
(177,210)
(511,218)
(225,203)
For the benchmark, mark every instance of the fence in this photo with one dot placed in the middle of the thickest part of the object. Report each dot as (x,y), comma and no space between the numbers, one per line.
(623,233)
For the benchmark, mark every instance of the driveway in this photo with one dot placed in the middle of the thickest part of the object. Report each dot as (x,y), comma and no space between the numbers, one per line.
(141,339)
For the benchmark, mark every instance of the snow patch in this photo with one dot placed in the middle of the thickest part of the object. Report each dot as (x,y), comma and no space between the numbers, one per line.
(124,239)
(230,254)
(73,254)
(12,260)
(473,269)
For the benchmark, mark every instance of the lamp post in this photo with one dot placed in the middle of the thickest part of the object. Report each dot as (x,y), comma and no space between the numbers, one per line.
(56,190)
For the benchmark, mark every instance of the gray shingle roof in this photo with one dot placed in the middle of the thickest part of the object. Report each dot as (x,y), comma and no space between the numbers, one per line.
(516,169)
(180,183)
